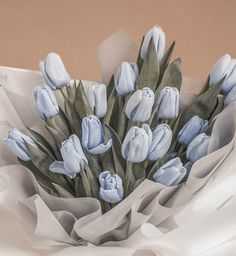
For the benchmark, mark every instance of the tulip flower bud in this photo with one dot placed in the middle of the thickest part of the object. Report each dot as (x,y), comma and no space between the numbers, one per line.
(161,140)
(74,159)
(125,78)
(136,143)
(198,147)
(191,129)
(188,166)
(97,98)
(93,138)
(168,103)
(54,72)
(134,66)
(159,38)
(230,97)
(111,189)
(171,173)
(46,103)
(139,105)
(224,67)
(15,141)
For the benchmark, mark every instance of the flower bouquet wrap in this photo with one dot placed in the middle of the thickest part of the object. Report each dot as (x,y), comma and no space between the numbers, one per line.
(140,163)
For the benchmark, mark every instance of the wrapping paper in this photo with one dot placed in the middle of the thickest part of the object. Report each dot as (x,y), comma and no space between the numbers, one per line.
(195,218)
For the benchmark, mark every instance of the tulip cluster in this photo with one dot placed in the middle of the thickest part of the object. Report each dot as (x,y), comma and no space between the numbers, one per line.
(108,138)
(225,68)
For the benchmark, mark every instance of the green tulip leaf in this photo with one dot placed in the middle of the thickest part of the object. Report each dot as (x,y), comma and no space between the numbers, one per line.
(81,104)
(119,161)
(166,59)
(61,191)
(172,77)
(42,143)
(203,106)
(149,73)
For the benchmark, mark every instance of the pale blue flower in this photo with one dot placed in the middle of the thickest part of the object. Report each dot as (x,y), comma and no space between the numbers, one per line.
(93,138)
(139,105)
(74,159)
(46,103)
(191,129)
(16,141)
(136,143)
(161,141)
(111,189)
(188,166)
(96,94)
(230,97)
(54,72)
(224,67)
(135,69)
(125,78)
(198,147)
(171,173)
(168,103)
(159,38)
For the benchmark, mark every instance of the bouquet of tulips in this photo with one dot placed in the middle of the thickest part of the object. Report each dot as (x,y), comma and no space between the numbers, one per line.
(106,139)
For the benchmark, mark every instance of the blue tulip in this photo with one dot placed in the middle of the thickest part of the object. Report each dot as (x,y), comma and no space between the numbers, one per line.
(168,103)
(139,105)
(74,159)
(188,166)
(224,67)
(171,173)
(97,98)
(230,97)
(46,103)
(54,72)
(111,189)
(93,138)
(125,78)
(161,141)
(198,147)
(159,38)
(134,66)
(16,142)
(191,129)
(136,143)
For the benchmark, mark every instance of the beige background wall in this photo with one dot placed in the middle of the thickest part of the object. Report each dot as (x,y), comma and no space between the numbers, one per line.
(203,29)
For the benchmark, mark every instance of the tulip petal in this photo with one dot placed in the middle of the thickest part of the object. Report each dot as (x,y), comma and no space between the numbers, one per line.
(16,149)
(110,196)
(218,71)
(58,167)
(46,78)
(125,79)
(46,103)
(230,97)
(101,148)
(133,103)
(56,71)
(159,40)
(166,178)
(101,101)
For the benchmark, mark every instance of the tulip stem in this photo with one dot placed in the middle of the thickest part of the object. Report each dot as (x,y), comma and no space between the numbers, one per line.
(128,176)
(181,150)
(151,118)
(92,182)
(130,124)
(51,122)
(122,117)
(86,184)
